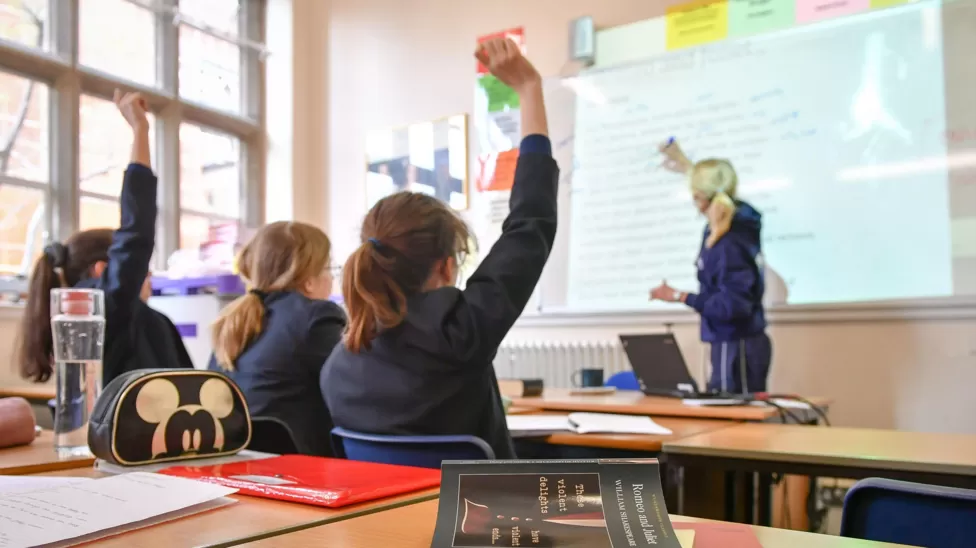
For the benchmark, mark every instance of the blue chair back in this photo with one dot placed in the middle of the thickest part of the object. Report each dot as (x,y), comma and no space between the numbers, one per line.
(420,451)
(272,435)
(625,380)
(914,514)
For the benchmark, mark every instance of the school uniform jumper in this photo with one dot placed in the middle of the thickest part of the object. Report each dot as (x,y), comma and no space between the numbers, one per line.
(729,301)
(136,336)
(433,374)
(279,370)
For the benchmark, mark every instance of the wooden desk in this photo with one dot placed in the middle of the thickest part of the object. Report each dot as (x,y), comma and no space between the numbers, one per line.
(513,410)
(945,459)
(38,457)
(413,527)
(634,402)
(34,393)
(251,518)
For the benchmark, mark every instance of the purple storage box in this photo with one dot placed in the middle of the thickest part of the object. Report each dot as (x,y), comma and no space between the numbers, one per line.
(220,284)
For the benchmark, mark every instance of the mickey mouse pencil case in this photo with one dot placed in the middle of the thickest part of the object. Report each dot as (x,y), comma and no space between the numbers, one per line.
(160,415)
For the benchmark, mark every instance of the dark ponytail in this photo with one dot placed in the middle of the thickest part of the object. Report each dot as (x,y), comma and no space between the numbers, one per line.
(35,344)
(404,236)
(61,265)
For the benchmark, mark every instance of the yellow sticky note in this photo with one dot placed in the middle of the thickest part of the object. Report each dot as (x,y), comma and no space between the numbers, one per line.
(697,23)
(686,537)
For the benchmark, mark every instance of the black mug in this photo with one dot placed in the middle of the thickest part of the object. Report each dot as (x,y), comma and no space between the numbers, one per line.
(587,378)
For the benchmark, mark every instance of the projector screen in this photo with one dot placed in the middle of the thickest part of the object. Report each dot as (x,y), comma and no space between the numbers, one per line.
(855,137)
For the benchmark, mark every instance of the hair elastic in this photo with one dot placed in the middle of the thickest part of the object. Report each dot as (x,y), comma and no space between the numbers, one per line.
(258,293)
(376,243)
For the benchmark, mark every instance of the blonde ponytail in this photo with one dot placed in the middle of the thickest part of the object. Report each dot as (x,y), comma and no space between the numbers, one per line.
(239,323)
(280,257)
(716,179)
(720,213)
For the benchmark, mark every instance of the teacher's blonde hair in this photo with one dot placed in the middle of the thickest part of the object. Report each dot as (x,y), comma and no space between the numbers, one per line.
(716,180)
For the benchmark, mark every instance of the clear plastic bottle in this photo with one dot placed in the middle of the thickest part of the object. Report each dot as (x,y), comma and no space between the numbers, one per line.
(78,328)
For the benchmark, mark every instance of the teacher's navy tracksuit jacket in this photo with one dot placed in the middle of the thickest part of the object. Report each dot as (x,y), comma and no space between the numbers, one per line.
(730,304)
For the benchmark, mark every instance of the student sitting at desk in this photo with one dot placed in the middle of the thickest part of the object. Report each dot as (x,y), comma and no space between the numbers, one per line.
(417,359)
(273,340)
(115,261)
(730,271)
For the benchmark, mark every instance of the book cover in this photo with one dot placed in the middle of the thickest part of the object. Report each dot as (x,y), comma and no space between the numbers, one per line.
(553,504)
(318,481)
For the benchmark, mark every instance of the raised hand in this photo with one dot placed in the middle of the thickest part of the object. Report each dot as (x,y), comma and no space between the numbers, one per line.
(504,59)
(674,158)
(133,108)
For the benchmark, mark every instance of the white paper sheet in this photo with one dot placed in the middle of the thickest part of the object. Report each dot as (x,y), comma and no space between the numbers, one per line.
(37,518)
(606,423)
(20,484)
(583,423)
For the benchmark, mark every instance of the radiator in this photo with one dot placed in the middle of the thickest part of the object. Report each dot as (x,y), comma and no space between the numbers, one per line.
(555,362)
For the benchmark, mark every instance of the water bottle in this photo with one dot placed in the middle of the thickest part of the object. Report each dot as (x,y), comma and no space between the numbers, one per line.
(78,326)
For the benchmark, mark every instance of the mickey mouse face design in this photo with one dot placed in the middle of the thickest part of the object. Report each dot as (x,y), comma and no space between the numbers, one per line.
(185,429)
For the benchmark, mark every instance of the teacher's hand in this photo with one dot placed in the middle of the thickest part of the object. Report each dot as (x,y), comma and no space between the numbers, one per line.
(664,292)
(674,158)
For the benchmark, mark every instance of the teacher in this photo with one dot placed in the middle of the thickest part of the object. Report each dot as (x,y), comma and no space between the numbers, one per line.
(730,274)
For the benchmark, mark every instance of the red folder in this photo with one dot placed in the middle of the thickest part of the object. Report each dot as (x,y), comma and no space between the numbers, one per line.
(318,481)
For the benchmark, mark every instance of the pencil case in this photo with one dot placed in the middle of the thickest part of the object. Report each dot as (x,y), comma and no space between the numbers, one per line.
(150,416)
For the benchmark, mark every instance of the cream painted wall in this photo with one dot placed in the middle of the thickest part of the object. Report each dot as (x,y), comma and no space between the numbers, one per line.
(392,62)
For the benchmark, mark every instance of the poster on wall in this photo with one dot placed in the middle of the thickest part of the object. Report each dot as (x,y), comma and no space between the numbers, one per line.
(428,157)
(497,123)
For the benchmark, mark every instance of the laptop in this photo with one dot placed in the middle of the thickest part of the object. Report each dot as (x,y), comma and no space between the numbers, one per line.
(660,368)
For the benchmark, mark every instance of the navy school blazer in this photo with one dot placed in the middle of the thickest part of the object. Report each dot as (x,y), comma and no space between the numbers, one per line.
(136,336)
(433,373)
(279,370)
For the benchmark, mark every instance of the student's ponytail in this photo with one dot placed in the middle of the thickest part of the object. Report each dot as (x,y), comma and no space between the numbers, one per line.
(239,323)
(280,257)
(404,238)
(61,265)
(35,344)
(372,297)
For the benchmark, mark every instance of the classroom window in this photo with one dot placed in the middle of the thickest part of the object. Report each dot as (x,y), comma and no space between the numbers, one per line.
(118,37)
(210,59)
(24,172)
(62,157)
(24,21)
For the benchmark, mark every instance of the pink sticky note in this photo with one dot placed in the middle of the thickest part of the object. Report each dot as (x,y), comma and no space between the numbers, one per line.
(815,10)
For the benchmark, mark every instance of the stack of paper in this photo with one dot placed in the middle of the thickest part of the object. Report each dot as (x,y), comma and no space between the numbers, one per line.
(77,512)
(583,423)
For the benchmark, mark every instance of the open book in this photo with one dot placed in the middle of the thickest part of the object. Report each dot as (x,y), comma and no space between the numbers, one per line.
(583,423)
(559,504)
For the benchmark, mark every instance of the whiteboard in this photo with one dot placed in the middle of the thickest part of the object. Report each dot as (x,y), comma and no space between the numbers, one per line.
(854,136)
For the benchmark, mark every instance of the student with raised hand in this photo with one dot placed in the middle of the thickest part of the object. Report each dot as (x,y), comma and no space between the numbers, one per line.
(730,273)
(274,340)
(115,261)
(417,358)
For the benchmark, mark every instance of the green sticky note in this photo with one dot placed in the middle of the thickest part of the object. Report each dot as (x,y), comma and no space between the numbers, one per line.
(876,4)
(756,16)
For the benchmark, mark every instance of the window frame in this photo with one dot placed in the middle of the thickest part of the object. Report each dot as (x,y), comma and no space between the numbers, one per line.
(57,66)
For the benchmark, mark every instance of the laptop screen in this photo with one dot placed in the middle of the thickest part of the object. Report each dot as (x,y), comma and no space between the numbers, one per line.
(658,364)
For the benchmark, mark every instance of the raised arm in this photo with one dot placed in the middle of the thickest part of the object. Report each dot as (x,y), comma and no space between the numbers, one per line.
(675,159)
(133,242)
(497,292)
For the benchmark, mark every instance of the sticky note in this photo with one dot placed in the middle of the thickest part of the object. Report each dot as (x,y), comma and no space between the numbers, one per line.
(756,16)
(876,4)
(808,11)
(697,23)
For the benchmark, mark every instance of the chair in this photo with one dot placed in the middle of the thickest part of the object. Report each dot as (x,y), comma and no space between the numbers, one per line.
(420,451)
(915,514)
(272,435)
(625,380)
